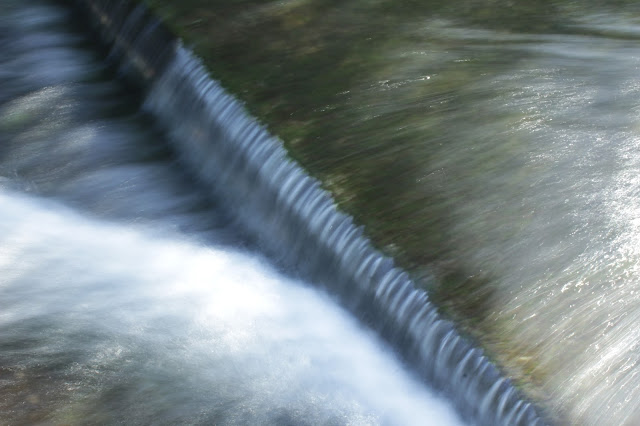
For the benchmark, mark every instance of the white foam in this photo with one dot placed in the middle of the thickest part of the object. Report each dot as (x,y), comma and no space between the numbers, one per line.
(217,329)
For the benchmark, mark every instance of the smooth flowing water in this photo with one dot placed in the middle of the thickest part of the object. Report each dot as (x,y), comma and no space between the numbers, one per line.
(126,295)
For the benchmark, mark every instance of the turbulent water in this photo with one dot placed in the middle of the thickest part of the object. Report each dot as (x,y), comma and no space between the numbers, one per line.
(126,296)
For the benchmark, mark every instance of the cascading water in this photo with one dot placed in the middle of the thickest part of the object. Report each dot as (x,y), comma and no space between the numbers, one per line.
(292,218)
(250,170)
(125,296)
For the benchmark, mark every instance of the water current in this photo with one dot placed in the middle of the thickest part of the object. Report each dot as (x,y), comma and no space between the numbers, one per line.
(131,291)
(128,296)
(539,162)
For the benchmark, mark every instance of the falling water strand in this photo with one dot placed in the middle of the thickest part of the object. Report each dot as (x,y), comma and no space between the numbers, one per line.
(292,217)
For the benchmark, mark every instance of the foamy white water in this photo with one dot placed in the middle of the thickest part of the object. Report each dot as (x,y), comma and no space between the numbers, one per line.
(104,323)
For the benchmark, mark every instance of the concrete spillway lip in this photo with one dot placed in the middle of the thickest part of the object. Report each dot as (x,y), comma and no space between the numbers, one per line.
(292,217)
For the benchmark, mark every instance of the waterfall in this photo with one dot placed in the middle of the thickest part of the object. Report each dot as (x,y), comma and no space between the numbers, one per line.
(292,217)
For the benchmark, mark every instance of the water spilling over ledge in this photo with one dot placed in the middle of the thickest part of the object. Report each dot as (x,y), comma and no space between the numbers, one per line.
(122,298)
(293,218)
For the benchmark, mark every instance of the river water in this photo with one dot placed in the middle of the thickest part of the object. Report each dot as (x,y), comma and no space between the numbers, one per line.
(508,156)
(128,296)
